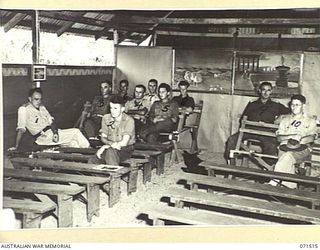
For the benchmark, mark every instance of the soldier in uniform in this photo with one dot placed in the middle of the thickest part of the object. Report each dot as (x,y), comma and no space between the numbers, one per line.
(296,134)
(117,135)
(264,110)
(138,107)
(90,122)
(163,116)
(152,88)
(34,117)
(185,102)
(123,90)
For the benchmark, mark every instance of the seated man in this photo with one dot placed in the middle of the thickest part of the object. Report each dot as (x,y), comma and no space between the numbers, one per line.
(264,110)
(185,102)
(152,88)
(35,118)
(117,135)
(123,90)
(138,107)
(90,122)
(296,134)
(163,116)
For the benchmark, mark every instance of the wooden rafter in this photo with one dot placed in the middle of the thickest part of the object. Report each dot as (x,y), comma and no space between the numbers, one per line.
(225,21)
(64,28)
(14,21)
(154,26)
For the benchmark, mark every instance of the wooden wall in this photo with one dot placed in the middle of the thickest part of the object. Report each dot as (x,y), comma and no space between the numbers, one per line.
(65,91)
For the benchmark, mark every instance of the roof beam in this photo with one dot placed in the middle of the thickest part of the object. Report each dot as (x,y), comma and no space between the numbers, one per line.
(14,21)
(224,21)
(64,28)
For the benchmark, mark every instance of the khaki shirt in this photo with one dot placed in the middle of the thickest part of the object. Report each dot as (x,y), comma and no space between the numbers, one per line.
(114,131)
(164,110)
(33,119)
(136,104)
(303,126)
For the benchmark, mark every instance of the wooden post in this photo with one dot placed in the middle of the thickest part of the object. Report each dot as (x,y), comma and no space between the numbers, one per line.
(35,41)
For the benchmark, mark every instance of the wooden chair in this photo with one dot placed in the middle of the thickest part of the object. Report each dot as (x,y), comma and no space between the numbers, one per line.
(194,127)
(243,146)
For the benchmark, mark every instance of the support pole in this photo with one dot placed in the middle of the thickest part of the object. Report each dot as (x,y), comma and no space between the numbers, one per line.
(35,41)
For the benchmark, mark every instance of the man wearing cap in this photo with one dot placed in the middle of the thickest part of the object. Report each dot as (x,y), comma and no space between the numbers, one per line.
(34,117)
(117,134)
(296,134)
(138,107)
(90,122)
(264,110)
(152,88)
(163,116)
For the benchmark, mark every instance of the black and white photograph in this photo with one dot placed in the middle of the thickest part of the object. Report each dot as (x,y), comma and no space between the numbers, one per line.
(160,118)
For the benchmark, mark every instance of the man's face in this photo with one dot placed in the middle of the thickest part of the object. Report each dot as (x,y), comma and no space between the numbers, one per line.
(265,92)
(138,93)
(296,107)
(123,87)
(163,93)
(105,88)
(152,87)
(183,90)
(36,99)
(116,109)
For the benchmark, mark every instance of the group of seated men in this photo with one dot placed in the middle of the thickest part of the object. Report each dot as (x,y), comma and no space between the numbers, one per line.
(120,119)
(296,133)
(116,119)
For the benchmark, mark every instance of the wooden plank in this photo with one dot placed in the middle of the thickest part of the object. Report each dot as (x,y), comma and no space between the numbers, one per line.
(14,21)
(198,217)
(64,28)
(257,132)
(63,156)
(252,187)
(41,188)
(72,166)
(21,206)
(50,176)
(261,173)
(154,146)
(276,209)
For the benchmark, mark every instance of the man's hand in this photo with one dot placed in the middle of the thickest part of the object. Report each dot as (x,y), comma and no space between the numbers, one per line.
(116,145)
(55,137)
(12,149)
(101,150)
(156,119)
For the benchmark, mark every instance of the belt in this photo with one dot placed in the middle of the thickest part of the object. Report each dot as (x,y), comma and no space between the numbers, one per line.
(41,132)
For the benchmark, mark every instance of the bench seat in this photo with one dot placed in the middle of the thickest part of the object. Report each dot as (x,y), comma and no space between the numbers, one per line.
(256,206)
(32,211)
(311,197)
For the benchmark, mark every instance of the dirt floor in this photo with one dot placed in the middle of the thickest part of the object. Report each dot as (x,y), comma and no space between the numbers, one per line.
(129,211)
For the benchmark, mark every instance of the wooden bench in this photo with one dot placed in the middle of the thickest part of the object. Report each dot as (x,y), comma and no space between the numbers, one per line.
(245,172)
(163,213)
(64,194)
(112,188)
(166,149)
(155,158)
(255,206)
(32,211)
(132,164)
(194,180)
(92,184)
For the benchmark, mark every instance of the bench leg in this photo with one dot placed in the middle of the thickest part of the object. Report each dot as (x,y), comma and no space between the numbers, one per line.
(93,200)
(132,180)
(65,211)
(114,190)
(160,163)
(31,220)
(194,141)
(147,171)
